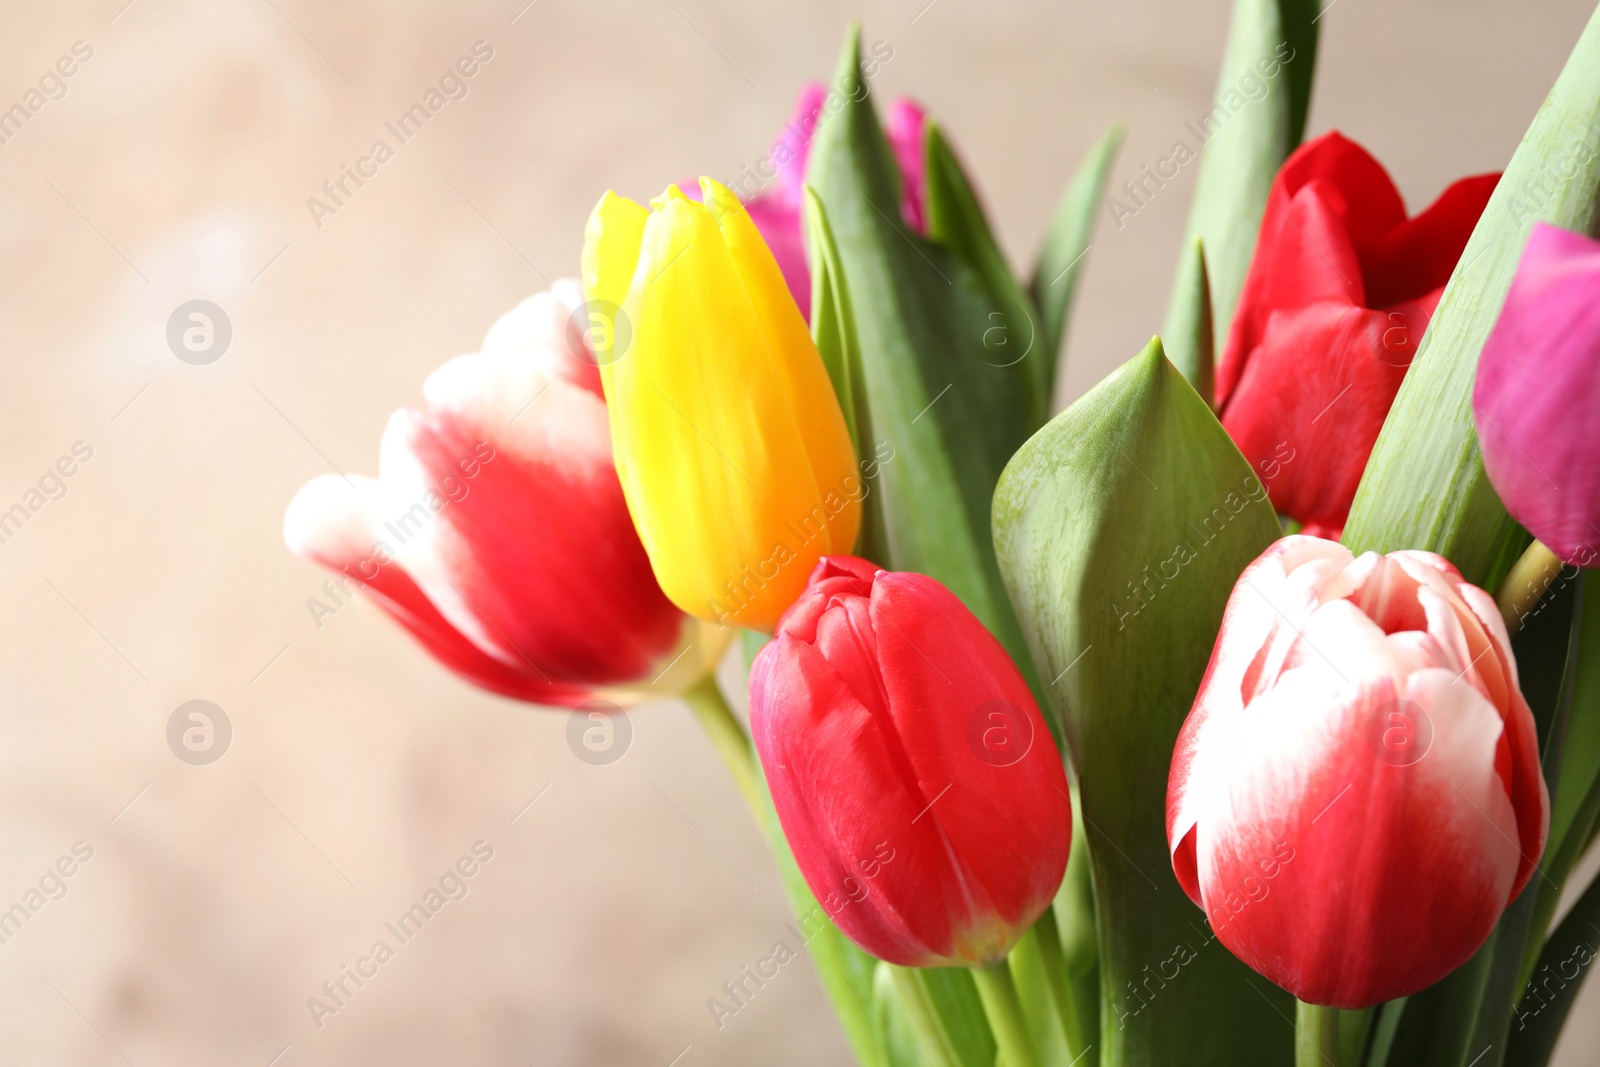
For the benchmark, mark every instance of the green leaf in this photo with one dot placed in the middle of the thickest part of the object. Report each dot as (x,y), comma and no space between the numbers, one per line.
(1425,485)
(945,414)
(833,327)
(1576,788)
(1066,244)
(1572,947)
(1121,528)
(1271,43)
(1515,929)
(1188,339)
(1383,1031)
(955,219)
(833,323)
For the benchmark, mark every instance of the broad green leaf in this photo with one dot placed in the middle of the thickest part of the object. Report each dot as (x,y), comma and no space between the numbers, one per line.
(1015,336)
(1121,528)
(1425,485)
(1188,339)
(1066,244)
(1257,119)
(945,414)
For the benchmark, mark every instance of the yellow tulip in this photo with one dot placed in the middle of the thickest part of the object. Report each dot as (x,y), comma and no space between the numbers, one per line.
(734,455)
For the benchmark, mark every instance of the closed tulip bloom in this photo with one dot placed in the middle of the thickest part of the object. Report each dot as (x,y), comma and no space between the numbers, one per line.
(1537,397)
(1356,795)
(910,768)
(732,450)
(496,532)
(1338,295)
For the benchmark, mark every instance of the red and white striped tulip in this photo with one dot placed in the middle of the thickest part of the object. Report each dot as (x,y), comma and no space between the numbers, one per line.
(1356,795)
(496,532)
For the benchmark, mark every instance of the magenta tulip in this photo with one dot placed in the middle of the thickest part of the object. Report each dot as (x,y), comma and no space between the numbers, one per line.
(1537,398)
(911,770)
(1356,795)
(496,532)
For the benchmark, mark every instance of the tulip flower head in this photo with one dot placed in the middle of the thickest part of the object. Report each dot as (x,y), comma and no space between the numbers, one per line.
(910,768)
(733,452)
(496,532)
(1537,397)
(1356,795)
(1338,295)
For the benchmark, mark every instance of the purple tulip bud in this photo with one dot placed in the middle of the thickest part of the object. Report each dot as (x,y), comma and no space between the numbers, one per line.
(1537,398)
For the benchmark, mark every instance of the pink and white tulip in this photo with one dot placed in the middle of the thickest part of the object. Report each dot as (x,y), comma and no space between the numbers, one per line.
(496,531)
(1537,397)
(1356,795)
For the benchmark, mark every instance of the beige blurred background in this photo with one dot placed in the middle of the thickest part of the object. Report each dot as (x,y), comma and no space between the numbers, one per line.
(177,166)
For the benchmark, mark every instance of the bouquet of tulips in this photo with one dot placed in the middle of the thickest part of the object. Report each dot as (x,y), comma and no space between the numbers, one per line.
(1246,711)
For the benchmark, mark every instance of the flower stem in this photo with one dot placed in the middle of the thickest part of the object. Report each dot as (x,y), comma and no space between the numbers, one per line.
(1526,585)
(727,736)
(1000,1004)
(1316,1035)
(1055,965)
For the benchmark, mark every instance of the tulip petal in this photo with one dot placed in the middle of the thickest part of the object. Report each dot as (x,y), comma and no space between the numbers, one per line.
(1536,397)
(919,625)
(330,522)
(738,466)
(1397,874)
(839,782)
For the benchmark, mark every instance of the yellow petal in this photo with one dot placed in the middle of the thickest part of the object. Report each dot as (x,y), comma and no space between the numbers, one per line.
(812,400)
(611,247)
(732,451)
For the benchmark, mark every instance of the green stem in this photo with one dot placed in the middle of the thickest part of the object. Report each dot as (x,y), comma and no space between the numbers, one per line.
(1526,585)
(1055,966)
(1316,1035)
(1000,1004)
(727,736)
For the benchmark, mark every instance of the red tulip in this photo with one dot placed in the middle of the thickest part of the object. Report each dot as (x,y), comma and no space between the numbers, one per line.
(911,770)
(1339,292)
(1356,795)
(496,531)
(1537,397)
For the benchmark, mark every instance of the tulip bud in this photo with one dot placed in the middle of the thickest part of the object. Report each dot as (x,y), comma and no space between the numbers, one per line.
(1537,396)
(733,453)
(1356,795)
(910,768)
(1338,295)
(496,532)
